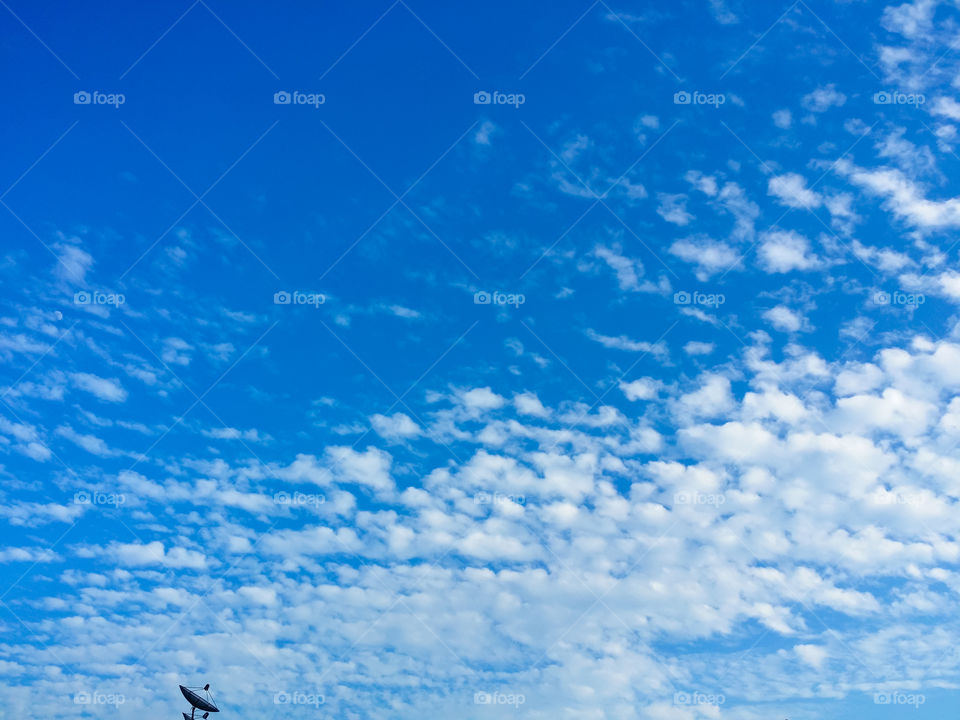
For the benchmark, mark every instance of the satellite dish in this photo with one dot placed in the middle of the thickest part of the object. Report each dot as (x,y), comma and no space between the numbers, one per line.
(198,701)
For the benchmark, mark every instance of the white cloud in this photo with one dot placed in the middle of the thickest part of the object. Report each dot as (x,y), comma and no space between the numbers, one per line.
(259,595)
(709,256)
(734,200)
(784,319)
(21,431)
(30,555)
(910,19)
(485,133)
(404,312)
(91,443)
(221,352)
(841,210)
(480,399)
(106,389)
(622,342)
(650,121)
(516,526)
(641,389)
(722,13)
(946,107)
(153,553)
(72,265)
(905,198)
(858,378)
(529,404)
(782,251)
(572,149)
(700,505)
(696,347)
(824,98)
(791,190)
(370,468)
(707,184)
(783,119)
(34,450)
(627,270)
(176,351)
(27,439)
(892,410)
(673,209)
(394,427)
(713,397)
(884,259)
(229,433)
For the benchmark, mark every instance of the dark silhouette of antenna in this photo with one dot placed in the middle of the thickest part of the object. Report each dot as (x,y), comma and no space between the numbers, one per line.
(198,702)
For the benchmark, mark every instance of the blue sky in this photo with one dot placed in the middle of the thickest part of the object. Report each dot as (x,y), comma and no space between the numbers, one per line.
(598,361)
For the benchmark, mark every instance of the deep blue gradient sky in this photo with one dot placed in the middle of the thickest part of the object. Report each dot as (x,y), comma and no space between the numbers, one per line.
(695,458)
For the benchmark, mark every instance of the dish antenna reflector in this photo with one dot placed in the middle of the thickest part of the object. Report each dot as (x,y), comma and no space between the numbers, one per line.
(203,702)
